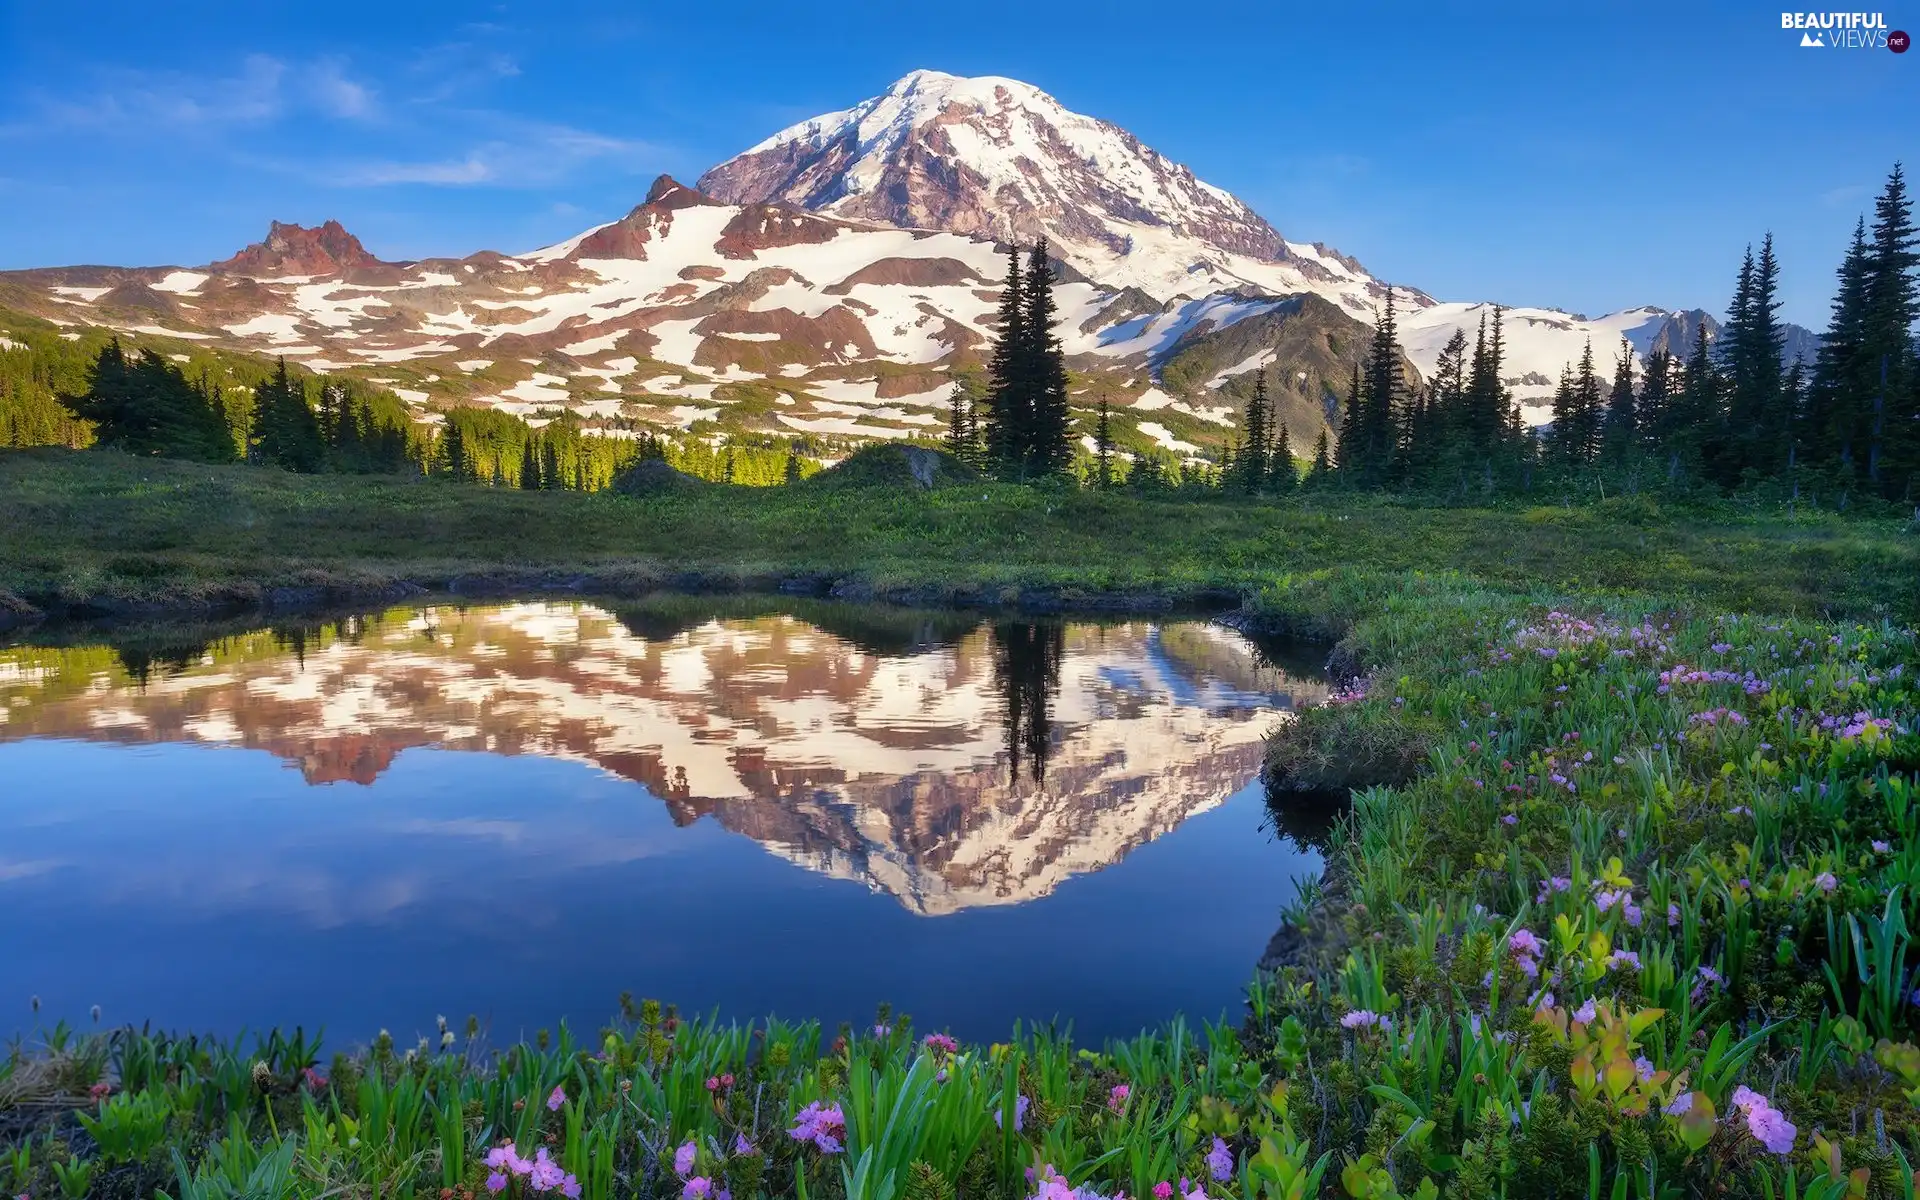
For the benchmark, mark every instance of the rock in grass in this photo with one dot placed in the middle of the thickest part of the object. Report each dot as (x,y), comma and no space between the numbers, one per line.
(652,476)
(895,465)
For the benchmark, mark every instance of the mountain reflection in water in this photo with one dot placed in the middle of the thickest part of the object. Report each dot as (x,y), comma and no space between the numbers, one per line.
(948,762)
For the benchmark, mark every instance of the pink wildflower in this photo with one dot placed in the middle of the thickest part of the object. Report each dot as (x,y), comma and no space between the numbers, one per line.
(824,1126)
(1117,1098)
(1162,1190)
(558,1098)
(940,1043)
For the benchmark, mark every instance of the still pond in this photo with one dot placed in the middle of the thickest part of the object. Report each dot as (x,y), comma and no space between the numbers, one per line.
(522,810)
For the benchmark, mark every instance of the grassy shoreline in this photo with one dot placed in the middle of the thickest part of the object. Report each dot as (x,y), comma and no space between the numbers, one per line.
(89,533)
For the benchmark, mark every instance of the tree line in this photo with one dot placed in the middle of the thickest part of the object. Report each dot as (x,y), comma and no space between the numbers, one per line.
(1727,415)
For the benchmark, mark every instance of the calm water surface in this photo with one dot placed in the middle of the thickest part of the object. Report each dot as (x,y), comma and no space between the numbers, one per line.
(521,811)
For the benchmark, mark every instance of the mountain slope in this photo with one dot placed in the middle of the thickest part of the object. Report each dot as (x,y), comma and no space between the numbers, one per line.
(1002,159)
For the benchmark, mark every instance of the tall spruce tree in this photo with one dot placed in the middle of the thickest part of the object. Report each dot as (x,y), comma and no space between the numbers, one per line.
(1009,403)
(1320,470)
(1619,428)
(1835,408)
(1350,454)
(529,466)
(1282,474)
(1586,409)
(1049,446)
(1381,394)
(1891,374)
(1563,427)
(1103,446)
(959,423)
(1250,459)
(285,432)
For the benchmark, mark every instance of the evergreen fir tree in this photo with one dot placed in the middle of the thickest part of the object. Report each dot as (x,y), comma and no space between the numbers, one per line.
(286,433)
(1103,447)
(1251,456)
(529,466)
(1892,376)
(1320,471)
(793,465)
(1655,404)
(1836,409)
(1350,451)
(1381,394)
(1009,406)
(1563,436)
(959,436)
(1620,426)
(454,462)
(1282,475)
(1586,408)
(1049,446)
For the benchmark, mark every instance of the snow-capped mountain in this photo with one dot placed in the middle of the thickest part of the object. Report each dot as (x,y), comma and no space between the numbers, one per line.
(1002,159)
(833,279)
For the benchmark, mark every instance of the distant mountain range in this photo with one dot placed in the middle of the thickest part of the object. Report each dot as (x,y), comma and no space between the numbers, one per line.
(830,280)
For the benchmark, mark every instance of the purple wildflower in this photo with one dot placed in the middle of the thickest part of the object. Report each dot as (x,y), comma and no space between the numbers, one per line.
(1220,1161)
(1681,1106)
(698,1188)
(1020,1104)
(1585,1013)
(1826,882)
(558,1098)
(824,1126)
(496,1183)
(683,1159)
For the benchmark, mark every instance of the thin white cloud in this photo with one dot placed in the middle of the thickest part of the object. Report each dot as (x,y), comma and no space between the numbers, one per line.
(262,91)
(521,154)
(140,101)
(336,94)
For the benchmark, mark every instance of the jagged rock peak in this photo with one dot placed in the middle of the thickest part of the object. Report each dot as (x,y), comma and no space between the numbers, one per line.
(326,249)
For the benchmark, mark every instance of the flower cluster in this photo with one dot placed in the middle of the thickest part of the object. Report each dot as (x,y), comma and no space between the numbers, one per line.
(505,1163)
(1527,950)
(1049,1184)
(823,1125)
(1768,1125)
(1717,716)
(1117,1098)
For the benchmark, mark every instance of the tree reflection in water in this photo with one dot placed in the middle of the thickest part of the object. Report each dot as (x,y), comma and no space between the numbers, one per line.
(1026,673)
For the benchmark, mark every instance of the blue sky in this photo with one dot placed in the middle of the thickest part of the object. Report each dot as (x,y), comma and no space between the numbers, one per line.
(1590,158)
